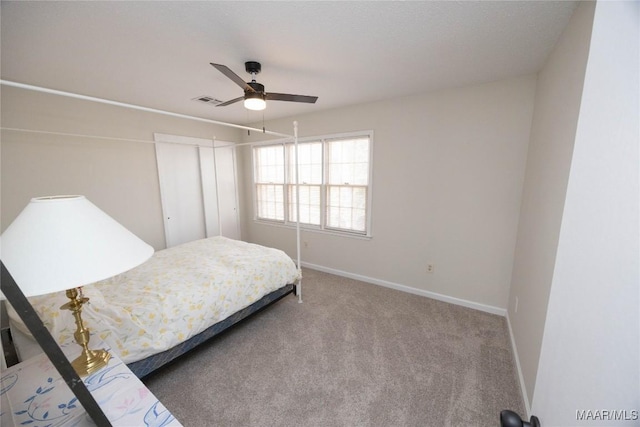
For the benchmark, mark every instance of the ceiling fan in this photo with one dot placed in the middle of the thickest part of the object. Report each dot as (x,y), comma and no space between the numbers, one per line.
(254,95)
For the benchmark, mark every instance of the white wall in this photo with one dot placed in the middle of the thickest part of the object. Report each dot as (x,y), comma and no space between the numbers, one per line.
(448,169)
(590,352)
(557,105)
(120,177)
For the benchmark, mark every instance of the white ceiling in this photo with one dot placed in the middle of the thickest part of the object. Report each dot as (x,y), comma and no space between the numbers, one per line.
(157,54)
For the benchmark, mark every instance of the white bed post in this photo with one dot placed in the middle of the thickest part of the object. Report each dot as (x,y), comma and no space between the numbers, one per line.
(215,174)
(295,141)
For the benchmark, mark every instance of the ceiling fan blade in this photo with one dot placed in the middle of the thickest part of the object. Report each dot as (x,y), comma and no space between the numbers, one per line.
(233,76)
(288,97)
(232,101)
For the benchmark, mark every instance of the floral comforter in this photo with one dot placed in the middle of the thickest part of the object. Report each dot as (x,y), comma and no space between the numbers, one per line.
(176,294)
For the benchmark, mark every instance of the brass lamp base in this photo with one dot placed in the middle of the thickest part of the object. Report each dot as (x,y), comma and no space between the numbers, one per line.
(89,361)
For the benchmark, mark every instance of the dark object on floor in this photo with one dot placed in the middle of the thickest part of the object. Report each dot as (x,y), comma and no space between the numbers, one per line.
(511,419)
(10,355)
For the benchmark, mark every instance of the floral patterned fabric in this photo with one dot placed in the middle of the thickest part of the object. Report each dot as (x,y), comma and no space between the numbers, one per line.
(33,393)
(173,296)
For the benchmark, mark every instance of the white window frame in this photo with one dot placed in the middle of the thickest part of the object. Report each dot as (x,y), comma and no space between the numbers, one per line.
(290,183)
(254,186)
(322,228)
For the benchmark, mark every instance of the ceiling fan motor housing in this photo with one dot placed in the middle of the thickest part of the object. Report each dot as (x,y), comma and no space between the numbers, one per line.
(256,86)
(252,67)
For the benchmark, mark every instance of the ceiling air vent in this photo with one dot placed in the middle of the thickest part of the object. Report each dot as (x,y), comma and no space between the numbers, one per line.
(208,100)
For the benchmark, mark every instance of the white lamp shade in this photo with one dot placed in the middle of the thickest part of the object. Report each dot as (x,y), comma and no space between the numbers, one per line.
(62,242)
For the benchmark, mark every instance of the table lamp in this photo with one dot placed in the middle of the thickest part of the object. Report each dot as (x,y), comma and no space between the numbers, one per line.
(61,243)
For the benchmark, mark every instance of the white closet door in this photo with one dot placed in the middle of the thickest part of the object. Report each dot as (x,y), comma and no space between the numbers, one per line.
(181,193)
(209,191)
(227,191)
(197,187)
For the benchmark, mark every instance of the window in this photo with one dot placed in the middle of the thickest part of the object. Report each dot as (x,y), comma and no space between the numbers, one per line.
(269,182)
(310,178)
(334,183)
(347,184)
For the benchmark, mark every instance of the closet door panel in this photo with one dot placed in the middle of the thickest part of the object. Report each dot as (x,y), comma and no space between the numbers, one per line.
(181,192)
(209,191)
(227,192)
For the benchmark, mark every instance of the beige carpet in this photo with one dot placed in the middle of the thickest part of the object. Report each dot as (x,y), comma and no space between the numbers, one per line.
(353,354)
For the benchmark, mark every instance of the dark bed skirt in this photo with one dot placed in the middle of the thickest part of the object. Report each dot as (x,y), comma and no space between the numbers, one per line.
(144,367)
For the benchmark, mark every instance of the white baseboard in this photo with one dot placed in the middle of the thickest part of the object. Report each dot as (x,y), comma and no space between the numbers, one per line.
(457,301)
(523,389)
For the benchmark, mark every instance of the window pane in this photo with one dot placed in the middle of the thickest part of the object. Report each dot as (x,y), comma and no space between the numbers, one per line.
(346,208)
(348,161)
(360,173)
(359,198)
(347,173)
(316,173)
(345,196)
(309,204)
(345,218)
(361,151)
(270,201)
(269,164)
(335,174)
(359,219)
(310,164)
(347,179)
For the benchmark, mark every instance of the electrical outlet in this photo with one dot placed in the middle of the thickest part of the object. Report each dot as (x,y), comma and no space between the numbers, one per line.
(515,308)
(430,268)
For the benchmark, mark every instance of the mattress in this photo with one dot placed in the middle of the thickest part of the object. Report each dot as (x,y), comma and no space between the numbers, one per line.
(178,293)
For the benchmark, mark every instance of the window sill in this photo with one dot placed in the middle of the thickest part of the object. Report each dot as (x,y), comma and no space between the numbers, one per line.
(312,229)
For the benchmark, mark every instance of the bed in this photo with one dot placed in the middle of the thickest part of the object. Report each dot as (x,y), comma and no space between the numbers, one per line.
(179,298)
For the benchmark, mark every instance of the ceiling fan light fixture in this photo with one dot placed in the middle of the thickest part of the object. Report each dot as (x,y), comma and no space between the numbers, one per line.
(254,95)
(254,101)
